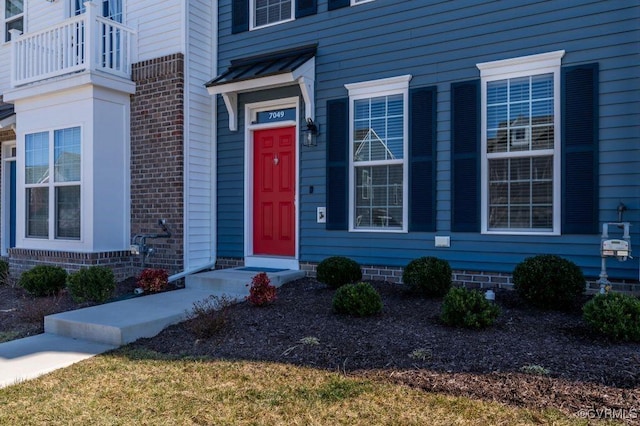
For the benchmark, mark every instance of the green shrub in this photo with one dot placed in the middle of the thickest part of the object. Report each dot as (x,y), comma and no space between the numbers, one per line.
(94,284)
(337,271)
(360,300)
(468,308)
(43,280)
(428,276)
(548,281)
(615,315)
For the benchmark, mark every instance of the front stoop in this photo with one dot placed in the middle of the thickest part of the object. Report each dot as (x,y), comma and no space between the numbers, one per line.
(237,280)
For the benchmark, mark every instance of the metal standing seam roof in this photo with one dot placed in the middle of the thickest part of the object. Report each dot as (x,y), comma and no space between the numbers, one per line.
(6,111)
(264,65)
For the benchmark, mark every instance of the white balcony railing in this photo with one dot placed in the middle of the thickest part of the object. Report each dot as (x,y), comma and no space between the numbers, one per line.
(84,42)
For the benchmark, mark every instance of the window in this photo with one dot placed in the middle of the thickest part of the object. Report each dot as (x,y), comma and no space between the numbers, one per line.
(521,145)
(52,178)
(378,149)
(111,9)
(268,12)
(13,17)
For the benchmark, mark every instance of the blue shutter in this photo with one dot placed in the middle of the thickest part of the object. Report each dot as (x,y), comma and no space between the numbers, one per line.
(337,163)
(422,159)
(306,8)
(239,16)
(465,156)
(580,149)
(337,4)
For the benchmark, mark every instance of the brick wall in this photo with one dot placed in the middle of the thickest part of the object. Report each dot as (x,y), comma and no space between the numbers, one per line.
(21,260)
(157,159)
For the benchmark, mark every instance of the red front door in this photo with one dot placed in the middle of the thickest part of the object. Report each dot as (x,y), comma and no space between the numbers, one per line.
(274,178)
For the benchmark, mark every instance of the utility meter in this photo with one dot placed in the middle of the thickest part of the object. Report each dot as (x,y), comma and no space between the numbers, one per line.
(615,248)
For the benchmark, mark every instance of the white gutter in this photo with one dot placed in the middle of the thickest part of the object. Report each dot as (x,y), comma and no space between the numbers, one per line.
(183,274)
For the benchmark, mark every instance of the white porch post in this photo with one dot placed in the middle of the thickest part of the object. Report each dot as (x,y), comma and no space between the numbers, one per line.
(91,39)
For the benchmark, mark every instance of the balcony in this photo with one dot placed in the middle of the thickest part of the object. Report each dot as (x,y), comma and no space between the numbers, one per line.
(86,42)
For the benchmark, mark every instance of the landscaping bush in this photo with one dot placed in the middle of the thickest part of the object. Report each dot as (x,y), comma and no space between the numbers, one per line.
(360,300)
(43,280)
(468,308)
(261,292)
(337,271)
(428,276)
(93,284)
(548,281)
(153,280)
(615,315)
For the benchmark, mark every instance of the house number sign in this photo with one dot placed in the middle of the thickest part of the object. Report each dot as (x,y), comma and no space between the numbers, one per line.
(272,116)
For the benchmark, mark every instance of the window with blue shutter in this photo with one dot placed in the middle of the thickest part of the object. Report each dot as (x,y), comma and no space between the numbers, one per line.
(267,13)
(337,4)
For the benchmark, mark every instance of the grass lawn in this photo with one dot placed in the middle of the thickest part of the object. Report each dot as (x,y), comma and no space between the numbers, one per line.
(126,388)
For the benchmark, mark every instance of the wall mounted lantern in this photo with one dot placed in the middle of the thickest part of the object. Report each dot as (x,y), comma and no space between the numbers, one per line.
(310,133)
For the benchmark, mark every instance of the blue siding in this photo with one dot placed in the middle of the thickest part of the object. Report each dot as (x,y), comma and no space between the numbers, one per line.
(440,43)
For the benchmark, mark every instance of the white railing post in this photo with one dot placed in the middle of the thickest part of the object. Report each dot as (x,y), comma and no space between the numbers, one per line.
(91,34)
(15,61)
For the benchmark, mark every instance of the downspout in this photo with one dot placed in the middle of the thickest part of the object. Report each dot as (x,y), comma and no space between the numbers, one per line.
(183,274)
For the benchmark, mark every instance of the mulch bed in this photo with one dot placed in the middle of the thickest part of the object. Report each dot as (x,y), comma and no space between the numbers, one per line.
(408,344)
(569,367)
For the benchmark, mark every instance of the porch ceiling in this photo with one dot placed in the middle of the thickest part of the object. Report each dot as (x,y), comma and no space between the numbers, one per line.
(265,71)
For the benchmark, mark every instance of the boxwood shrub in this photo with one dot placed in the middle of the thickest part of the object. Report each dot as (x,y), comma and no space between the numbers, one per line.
(360,300)
(43,280)
(615,315)
(428,276)
(336,271)
(548,281)
(468,309)
(93,284)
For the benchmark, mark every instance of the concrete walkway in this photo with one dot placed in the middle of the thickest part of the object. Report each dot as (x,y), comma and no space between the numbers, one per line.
(73,336)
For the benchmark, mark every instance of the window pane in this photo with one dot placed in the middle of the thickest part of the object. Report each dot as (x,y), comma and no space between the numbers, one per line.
(379,128)
(68,212)
(521,193)
(37,212)
(379,196)
(67,155)
(270,11)
(37,158)
(13,8)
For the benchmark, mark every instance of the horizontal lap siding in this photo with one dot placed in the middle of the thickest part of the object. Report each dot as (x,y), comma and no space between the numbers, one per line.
(438,44)
(159,26)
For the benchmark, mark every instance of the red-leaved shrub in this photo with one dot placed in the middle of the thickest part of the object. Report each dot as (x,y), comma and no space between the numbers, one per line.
(153,280)
(261,292)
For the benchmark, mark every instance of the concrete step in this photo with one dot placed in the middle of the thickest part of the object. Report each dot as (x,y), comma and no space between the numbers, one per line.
(238,280)
(123,322)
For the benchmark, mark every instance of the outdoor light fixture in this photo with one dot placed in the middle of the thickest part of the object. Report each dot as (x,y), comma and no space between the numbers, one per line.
(310,133)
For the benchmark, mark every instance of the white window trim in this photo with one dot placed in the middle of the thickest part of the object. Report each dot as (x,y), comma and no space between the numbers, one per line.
(5,20)
(252,16)
(52,185)
(357,2)
(371,89)
(545,63)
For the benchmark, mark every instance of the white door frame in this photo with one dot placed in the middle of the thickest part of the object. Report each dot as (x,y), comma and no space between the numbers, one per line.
(251,125)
